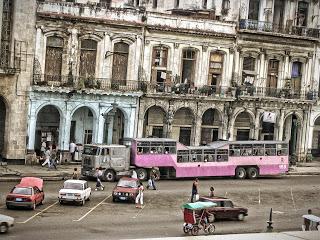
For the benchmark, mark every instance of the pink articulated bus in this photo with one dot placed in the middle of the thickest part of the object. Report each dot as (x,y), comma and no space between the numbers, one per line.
(241,159)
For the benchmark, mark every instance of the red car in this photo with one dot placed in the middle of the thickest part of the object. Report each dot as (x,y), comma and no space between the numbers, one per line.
(224,209)
(28,193)
(126,189)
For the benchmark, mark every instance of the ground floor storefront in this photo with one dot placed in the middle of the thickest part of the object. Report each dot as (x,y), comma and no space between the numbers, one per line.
(61,118)
(198,122)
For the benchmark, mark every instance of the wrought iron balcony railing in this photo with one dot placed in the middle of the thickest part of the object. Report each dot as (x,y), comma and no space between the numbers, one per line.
(76,82)
(249,24)
(246,91)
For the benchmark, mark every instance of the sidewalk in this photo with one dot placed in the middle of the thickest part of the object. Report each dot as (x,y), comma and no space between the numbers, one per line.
(312,235)
(15,172)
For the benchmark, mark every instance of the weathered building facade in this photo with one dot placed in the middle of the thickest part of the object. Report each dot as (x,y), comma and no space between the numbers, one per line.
(196,71)
(16,64)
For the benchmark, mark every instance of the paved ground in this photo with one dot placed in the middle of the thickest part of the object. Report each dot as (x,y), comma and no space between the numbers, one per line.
(290,197)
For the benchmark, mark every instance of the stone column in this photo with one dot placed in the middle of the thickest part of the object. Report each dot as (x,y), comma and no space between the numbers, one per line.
(257,125)
(32,130)
(169,120)
(197,130)
(109,120)
(100,129)
(281,125)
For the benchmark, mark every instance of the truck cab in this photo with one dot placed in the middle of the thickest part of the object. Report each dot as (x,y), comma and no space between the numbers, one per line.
(113,159)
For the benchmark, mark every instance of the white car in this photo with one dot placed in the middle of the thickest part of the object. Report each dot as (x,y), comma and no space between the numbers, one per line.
(75,191)
(5,223)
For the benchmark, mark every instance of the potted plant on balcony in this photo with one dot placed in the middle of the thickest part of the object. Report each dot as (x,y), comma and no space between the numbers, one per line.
(204,90)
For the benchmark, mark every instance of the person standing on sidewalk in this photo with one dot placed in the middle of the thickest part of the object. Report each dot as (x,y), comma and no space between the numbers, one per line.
(72,149)
(194,191)
(47,155)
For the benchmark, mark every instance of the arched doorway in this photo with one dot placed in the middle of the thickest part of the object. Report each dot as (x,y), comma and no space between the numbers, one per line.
(114,127)
(154,122)
(47,128)
(2,125)
(316,138)
(291,132)
(82,125)
(211,120)
(267,129)
(182,126)
(242,127)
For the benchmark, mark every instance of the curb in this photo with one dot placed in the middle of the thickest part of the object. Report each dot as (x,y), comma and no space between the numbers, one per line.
(303,173)
(45,178)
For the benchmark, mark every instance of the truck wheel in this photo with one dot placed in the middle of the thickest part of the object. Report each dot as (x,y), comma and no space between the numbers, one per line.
(142,174)
(241,173)
(109,175)
(252,173)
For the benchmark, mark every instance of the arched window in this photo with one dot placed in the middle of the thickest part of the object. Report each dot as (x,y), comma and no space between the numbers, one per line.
(53,62)
(88,55)
(120,62)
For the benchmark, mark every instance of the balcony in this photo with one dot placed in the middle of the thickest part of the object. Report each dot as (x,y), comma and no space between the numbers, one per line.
(82,83)
(248,24)
(12,62)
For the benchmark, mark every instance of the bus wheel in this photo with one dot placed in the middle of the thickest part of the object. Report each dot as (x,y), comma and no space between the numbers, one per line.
(109,175)
(142,174)
(252,173)
(241,173)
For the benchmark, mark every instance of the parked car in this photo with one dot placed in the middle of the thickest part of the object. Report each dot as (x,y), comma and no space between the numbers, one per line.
(75,191)
(126,189)
(225,209)
(28,193)
(5,223)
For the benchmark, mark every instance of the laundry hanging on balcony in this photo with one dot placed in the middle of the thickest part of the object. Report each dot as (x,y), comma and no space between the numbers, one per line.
(269,117)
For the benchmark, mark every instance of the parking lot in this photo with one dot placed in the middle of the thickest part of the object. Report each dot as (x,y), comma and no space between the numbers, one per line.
(100,218)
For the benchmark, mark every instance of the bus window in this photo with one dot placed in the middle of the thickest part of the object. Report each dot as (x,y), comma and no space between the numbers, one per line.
(270,149)
(170,147)
(156,147)
(209,155)
(282,149)
(196,155)
(222,155)
(183,156)
(258,150)
(143,147)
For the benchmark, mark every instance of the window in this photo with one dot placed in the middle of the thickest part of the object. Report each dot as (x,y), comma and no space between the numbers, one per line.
(215,69)
(88,53)
(228,204)
(204,4)
(53,64)
(87,136)
(154,3)
(159,65)
(273,69)
(183,156)
(254,6)
(248,72)
(282,149)
(188,66)
(155,147)
(106,3)
(302,14)
(296,76)
(209,155)
(120,63)
(196,155)
(222,155)
(270,149)
(177,3)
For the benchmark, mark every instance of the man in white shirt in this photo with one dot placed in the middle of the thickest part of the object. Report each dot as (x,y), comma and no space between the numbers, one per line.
(47,155)
(72,149)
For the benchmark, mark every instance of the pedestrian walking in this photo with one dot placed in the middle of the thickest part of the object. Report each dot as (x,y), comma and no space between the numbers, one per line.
(47,155)
(99,185)
(75,174)
(139,198)
(194,191)
(72,149)
(211,194)
(53,157)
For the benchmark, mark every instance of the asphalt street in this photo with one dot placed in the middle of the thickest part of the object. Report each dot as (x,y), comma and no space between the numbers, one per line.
(100,218)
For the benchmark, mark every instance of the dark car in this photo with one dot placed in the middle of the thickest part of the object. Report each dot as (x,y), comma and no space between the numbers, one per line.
(28,193)
(225,209)
(126,189)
